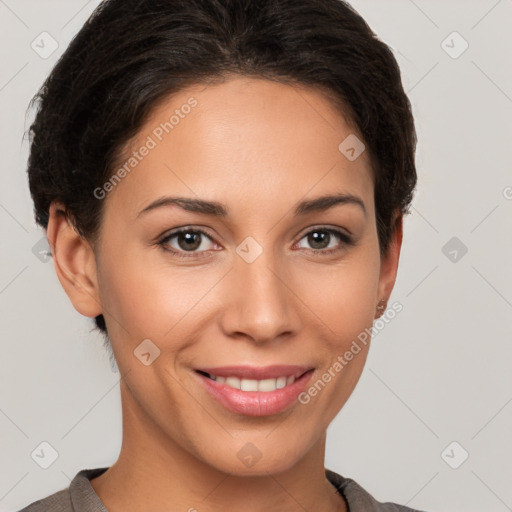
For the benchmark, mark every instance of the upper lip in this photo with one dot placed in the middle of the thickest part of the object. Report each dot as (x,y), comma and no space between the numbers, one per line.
(257,372)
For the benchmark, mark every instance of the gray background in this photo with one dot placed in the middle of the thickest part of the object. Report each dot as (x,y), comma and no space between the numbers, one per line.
(438,373)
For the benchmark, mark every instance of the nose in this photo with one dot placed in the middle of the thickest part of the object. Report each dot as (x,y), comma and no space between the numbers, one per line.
(261,304)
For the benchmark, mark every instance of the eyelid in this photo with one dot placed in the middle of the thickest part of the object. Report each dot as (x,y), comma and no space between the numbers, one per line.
(344,235)
(326,227)
(165,238)
(345,239)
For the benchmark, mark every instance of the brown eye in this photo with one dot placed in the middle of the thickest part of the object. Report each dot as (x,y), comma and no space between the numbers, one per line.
(318,239)
(186,241)
(326,240)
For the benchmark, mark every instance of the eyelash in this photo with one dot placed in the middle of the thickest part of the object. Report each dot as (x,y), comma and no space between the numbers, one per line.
(346,240)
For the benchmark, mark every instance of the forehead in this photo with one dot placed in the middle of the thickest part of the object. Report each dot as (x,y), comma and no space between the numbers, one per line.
(245,138)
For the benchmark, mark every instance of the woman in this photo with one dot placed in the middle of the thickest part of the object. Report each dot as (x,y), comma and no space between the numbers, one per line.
(274,138)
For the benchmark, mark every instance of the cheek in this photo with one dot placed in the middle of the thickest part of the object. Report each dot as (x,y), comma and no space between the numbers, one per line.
(125,298)
(342,296)
(145,299)
(127,301)
(344,308)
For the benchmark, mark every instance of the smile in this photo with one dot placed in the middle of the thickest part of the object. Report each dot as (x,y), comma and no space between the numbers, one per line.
(264,385)
(255,391)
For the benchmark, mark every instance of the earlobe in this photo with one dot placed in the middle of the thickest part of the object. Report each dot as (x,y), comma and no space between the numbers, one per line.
(389,262)
(74,262)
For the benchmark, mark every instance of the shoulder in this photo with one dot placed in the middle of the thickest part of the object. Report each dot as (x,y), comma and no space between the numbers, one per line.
(359,499)
(78,497)
(57,502)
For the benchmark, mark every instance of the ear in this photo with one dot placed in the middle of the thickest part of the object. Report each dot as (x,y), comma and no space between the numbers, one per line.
(389,261)
(74,262)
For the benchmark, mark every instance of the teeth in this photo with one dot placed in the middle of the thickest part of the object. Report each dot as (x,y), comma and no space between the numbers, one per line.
(233,382)
(267,385)
(281,382)
(255,385)
(249,385)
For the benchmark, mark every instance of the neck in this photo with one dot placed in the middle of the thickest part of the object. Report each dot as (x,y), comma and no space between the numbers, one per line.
(153,472)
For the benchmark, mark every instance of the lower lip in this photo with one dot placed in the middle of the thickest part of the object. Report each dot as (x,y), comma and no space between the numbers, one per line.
(256,403)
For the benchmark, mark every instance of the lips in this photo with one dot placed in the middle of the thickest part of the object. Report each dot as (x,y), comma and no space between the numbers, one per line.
(255,391)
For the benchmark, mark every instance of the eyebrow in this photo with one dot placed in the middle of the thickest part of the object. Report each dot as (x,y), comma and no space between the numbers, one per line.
(217,209)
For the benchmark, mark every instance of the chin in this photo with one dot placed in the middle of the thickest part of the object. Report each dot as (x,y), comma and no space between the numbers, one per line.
(257,458)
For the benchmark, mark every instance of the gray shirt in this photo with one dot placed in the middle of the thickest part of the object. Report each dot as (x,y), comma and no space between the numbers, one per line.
(80,496)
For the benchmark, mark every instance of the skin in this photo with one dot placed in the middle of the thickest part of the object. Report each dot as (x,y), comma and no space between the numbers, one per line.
(259,147)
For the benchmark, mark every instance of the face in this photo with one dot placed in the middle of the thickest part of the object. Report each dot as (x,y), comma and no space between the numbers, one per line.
(252,282)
